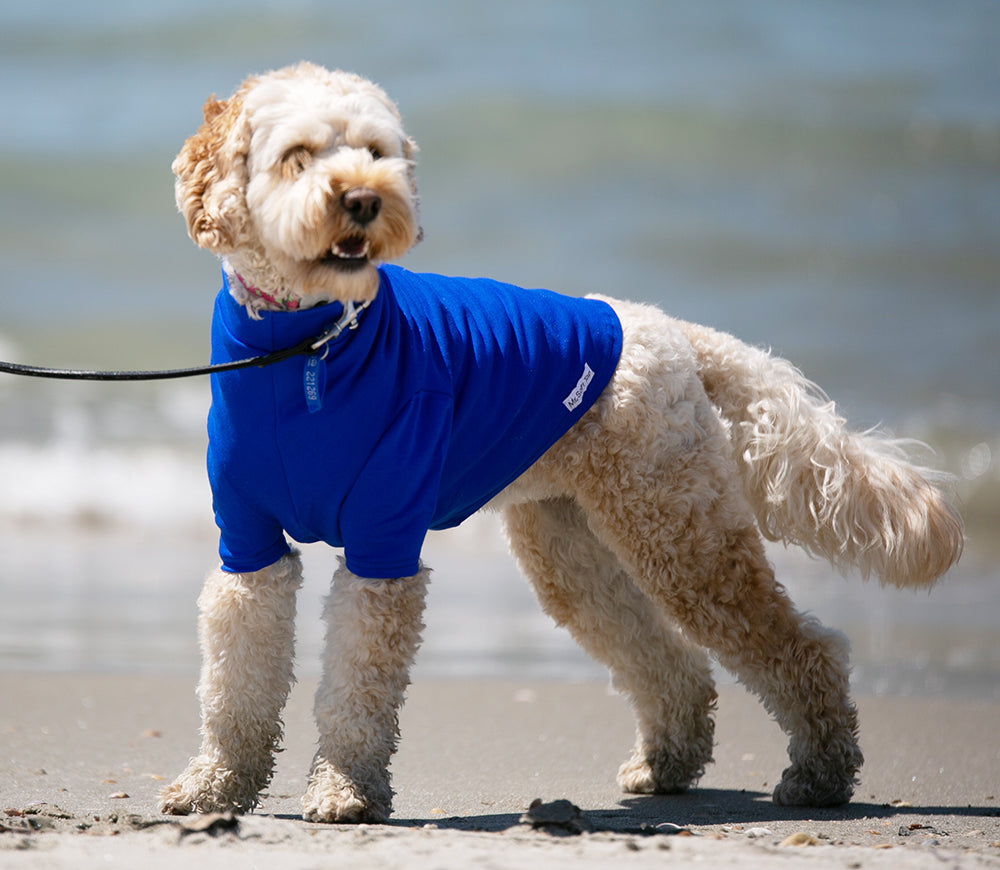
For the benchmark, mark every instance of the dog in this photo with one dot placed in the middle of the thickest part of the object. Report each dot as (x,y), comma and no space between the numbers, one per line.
(637,474)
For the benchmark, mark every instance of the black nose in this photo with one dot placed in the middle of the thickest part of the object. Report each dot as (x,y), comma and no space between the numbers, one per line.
(362,204)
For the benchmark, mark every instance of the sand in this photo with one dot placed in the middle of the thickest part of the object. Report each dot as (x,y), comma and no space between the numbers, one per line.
(82,758)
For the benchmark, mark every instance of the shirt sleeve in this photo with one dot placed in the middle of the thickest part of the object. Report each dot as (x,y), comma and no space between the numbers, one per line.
(388,511)
(248,539)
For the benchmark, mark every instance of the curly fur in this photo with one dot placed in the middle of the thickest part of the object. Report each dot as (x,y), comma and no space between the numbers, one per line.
(373,631)
(247,629)
(853,498)
(640,530)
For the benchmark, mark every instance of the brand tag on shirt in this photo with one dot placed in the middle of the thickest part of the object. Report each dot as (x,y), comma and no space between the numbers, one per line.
(573,400)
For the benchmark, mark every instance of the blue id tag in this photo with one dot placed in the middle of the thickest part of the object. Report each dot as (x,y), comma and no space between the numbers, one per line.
(314,382)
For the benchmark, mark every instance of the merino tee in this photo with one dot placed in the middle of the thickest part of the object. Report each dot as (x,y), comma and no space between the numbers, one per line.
(445,393)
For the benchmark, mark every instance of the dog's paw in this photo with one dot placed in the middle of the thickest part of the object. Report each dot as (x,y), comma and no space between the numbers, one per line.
(207,787)
(659,773)
(814,788)
(637,776)
(823,777)
(336,798)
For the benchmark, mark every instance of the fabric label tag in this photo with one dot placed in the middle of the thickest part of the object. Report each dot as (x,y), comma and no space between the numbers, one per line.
(573,400)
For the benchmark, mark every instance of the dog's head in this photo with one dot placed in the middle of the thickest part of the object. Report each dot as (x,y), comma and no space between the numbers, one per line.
(303,180)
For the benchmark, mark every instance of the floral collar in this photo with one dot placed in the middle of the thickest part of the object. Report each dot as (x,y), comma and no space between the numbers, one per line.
(289,303)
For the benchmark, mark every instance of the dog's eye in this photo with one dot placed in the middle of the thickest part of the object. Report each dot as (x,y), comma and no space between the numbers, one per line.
(295,160)
(375,152)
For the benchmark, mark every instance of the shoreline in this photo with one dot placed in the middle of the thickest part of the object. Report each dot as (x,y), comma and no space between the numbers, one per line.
(85,756)
(78,604)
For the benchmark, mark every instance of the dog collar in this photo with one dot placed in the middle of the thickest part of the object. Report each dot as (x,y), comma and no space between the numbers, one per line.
(289,303)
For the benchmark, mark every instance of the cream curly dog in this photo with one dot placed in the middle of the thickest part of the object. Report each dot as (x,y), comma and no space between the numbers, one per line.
(639,524)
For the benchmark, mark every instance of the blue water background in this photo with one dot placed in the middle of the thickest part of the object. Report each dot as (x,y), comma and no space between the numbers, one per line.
(823,179)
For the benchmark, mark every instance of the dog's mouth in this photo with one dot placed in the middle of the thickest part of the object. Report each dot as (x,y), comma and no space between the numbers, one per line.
(349,253)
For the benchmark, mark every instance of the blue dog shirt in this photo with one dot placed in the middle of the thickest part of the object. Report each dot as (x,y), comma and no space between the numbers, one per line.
(445,393)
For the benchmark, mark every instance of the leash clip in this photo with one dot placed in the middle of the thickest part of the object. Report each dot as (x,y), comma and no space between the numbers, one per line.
(348,320)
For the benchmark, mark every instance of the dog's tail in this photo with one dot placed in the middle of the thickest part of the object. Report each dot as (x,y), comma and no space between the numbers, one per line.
(854,498)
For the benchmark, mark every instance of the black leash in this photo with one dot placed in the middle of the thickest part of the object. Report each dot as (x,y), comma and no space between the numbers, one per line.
(164,374)
(307,347)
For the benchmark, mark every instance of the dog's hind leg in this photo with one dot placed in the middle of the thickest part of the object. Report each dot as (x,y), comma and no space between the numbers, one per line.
(373,632)
(799,669)
(711,575)
(247,631)
(668,681)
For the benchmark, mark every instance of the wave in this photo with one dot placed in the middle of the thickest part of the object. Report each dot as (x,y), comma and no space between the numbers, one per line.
(147,486)
(90,454)
(93,480)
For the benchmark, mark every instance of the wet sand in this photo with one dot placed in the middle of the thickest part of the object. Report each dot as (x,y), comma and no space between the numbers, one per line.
(83,758)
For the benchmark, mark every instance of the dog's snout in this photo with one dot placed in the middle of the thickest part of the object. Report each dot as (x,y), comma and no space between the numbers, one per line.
(362,204)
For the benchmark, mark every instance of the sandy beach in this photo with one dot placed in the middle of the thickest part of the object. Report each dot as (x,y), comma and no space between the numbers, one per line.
(84,756)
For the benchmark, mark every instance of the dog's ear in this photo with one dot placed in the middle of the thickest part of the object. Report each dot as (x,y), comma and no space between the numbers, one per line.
(410,150)
(211,176)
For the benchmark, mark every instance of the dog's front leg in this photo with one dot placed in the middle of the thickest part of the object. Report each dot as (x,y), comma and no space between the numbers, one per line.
(373,632)
(247,631)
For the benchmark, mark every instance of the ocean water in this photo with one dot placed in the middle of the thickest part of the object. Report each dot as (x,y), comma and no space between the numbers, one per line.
(822,180)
